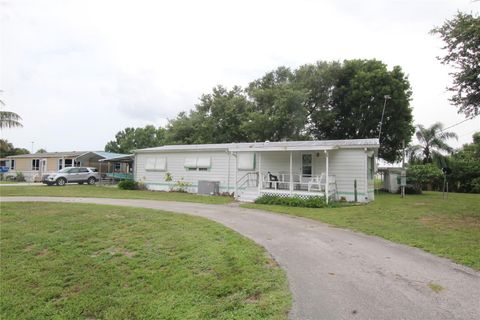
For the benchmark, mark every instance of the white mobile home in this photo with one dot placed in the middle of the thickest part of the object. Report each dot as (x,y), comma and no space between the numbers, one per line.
(341,169)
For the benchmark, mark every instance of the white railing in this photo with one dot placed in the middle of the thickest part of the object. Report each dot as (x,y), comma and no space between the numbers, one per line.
(249,179)
(300,183)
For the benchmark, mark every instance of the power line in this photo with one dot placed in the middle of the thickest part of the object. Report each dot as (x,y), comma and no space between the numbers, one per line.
(456,124)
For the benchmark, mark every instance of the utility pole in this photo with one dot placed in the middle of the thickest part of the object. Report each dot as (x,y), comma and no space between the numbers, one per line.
(386,97)
(403,169)
(32,145)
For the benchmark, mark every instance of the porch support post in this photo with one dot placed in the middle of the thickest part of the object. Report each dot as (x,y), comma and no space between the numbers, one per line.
(291,173)
(259,172)
(326,177)
(228,174)
(236,174)
(100,173)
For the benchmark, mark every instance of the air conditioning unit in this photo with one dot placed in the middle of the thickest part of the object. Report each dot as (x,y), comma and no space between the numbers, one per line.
(208,187)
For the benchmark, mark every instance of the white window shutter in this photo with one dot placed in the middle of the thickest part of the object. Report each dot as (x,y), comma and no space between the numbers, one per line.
(161,164)
(150,164)
(204,162)
(190,162)
(246,161)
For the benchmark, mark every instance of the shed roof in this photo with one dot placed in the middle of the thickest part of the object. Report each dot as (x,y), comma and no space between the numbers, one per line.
(269,146)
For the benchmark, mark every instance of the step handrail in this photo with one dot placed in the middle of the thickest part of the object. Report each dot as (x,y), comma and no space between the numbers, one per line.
(247,179)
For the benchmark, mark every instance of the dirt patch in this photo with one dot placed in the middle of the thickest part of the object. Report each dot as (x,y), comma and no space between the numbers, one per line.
(272,263)
(122,251)
(29,248)
(465,221)
(253,298)
(43,253)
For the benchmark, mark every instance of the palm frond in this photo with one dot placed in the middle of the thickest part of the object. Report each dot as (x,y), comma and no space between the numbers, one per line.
(9,119)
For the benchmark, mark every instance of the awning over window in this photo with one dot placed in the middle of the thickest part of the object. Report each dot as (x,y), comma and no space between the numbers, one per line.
(190,162)
(203,162)
(246,161)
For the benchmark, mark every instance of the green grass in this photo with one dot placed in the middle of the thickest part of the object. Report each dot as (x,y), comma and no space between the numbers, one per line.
(109,192)
(448,228)
(435,287)
(78,261)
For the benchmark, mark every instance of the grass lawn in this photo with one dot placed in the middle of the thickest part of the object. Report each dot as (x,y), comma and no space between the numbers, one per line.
(79,261)
(448,228)
(109,192)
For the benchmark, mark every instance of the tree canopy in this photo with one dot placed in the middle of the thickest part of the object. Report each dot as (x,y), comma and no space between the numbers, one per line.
(461,35)
(136,138)
(432,144)
(7,149)
(326,100)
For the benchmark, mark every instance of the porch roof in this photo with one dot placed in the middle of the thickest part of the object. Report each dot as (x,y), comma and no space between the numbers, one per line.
(269,146)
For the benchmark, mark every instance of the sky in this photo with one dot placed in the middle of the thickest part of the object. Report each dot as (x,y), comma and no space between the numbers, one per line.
(80,71)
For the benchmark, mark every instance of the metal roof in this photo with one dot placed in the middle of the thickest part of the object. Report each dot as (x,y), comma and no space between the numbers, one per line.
(67,154)
(122,158)
(269,146)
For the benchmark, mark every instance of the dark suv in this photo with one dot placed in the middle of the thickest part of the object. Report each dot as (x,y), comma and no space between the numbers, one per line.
(72,174)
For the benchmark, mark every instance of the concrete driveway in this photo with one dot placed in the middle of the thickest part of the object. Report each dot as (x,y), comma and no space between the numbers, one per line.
(335,273)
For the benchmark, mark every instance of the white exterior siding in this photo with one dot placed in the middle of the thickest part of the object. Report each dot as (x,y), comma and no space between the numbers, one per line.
(348,165)
(155,180)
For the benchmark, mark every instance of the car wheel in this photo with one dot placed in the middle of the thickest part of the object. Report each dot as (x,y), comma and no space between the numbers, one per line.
(61,181)
(91,180)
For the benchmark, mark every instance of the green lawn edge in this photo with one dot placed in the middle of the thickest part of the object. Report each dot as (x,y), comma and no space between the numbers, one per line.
(63,260)
(448,228)
(86,191)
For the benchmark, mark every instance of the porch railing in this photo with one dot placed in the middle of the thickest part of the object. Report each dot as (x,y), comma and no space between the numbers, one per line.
(299,183)
(249,179)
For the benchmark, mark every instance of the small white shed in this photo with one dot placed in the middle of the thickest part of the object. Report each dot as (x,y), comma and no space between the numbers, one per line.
(341,169)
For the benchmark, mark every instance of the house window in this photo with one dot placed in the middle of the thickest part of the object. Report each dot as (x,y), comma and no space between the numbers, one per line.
(12,164)
(118,166)
(306,165)
(68,163)
(370,167)
(35,164)
(202,169)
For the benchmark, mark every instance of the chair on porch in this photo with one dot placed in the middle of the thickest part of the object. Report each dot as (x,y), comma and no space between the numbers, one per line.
(284,181)
(317,183)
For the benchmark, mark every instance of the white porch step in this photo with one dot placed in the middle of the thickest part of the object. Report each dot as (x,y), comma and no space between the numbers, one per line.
(248,195)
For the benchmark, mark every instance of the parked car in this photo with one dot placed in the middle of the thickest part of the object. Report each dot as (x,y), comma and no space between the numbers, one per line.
(78,175)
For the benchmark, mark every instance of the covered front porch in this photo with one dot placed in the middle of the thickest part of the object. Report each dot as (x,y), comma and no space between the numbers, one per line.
(301,173)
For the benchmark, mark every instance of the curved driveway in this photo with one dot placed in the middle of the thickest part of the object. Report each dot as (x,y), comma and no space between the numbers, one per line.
(335,273)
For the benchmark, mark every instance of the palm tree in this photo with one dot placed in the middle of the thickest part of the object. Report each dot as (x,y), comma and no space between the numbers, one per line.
(9,119)
(432,142)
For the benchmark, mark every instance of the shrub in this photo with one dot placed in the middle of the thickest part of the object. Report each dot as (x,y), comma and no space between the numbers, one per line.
(420,175)
(180,186)
(475,185)
(311,202)
(20,177)
(128,185)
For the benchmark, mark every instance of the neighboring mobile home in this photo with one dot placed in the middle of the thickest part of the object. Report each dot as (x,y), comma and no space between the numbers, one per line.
(34,166)
(343,169)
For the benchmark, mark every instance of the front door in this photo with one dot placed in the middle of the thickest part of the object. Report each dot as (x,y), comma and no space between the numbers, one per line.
(43,166)
(307,165)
